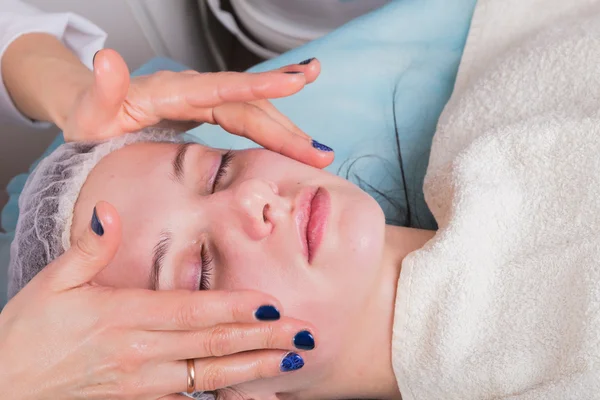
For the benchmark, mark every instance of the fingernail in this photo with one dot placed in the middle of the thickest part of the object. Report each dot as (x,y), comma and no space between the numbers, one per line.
(293,72)
(267,313)
(304,340)
(94,59)
(96,225)
(291,362)
(307,61)
(320,146)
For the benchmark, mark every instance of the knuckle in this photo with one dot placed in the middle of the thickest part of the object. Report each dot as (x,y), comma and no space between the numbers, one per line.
(220,88)
(123,365)
(85,249)
(260,370)
(213,378)
(269,336)
(127,361)
(134,111)
(136,354)
(187,315)
(236,306)
(219,342)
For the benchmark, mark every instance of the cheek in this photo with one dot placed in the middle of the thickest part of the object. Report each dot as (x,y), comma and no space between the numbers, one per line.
(362,235)
(329,301)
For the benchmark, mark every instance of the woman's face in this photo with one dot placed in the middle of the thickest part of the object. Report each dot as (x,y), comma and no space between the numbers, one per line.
(195,218)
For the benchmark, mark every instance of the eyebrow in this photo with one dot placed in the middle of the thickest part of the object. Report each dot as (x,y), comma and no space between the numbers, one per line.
(178,161)
(158,255)
(164,242)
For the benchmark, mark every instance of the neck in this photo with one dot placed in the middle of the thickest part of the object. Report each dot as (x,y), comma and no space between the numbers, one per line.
(366,371)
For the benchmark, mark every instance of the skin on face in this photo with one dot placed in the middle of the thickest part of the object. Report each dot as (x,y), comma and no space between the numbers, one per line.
(249,234)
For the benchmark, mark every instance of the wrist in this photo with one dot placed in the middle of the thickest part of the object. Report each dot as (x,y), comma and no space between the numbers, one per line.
(73,84)
(43,77)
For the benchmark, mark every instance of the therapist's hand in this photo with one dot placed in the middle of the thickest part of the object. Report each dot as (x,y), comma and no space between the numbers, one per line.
(114,104)
(47,82)
(62,337)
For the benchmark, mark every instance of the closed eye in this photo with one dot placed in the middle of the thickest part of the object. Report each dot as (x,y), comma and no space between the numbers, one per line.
(207,267)
(205,257)
(226,159)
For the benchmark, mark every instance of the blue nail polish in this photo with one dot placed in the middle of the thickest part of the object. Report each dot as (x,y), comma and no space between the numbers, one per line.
(267,313)
(320,146)
(96,225)
(304,340)
(306,62)
(293,72)
(291,362)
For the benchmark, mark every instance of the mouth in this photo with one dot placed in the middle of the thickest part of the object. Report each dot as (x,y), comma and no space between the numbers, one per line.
(311,219)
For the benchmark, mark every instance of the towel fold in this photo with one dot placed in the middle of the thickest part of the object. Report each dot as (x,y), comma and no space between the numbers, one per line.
(504,302)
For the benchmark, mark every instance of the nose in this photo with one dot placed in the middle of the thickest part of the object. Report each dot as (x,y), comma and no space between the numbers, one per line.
(260,207)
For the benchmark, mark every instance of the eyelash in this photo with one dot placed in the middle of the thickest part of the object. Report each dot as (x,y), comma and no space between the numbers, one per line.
(206,258)
(206,269)
(226,159)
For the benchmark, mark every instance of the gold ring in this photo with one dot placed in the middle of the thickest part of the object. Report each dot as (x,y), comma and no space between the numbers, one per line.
(191,376)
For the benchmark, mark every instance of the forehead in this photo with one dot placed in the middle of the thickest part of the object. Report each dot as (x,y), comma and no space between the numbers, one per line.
(136,180)
(129,164)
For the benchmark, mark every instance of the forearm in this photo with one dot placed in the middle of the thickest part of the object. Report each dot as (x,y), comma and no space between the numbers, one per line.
(43,77)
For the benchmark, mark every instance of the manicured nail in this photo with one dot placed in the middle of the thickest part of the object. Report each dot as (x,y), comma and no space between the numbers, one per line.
(267,313)
(291,362)
(307,61)
(94,59)
(96,225)
(320,146)
(293,72)
(304,340)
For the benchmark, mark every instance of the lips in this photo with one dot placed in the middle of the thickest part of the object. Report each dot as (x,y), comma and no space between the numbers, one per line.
(311,219)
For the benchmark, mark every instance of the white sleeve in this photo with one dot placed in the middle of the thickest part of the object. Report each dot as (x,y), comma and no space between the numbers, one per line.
(78,34)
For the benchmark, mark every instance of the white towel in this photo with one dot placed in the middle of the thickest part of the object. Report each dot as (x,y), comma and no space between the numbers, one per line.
(504,302)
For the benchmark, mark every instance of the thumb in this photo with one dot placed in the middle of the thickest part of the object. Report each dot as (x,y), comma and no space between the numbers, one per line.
(111,84)
(91,253)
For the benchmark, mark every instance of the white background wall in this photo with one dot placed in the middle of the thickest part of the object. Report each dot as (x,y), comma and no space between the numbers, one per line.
(138,30)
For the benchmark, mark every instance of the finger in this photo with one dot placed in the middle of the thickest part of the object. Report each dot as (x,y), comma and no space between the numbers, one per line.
(311,68)
(226,339)
(221,372)
(251,122)
(111,84)
(111,78)
(276,115)
(89,254)
(169,90)
(193,310)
